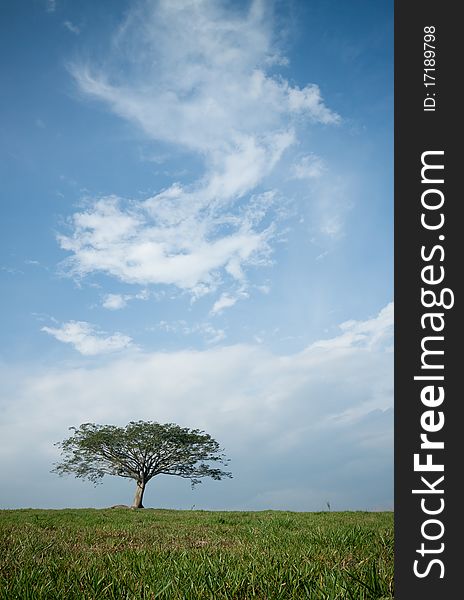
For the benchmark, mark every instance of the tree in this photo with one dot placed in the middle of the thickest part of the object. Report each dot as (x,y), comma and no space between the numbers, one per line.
(140,451)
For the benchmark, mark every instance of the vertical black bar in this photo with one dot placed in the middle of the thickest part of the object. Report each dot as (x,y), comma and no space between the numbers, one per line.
(428,118)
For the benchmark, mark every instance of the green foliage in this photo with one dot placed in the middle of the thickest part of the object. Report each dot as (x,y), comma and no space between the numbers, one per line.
(140,451)
(195,555)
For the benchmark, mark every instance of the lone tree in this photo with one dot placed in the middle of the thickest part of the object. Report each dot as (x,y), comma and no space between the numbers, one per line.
(140,451)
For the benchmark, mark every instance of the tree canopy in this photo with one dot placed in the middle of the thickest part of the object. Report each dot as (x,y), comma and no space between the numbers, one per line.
(140,451)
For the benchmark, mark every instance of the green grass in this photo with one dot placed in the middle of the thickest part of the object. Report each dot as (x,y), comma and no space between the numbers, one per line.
(192,555)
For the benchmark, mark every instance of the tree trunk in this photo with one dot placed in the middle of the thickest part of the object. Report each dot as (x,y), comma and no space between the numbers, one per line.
(137,503)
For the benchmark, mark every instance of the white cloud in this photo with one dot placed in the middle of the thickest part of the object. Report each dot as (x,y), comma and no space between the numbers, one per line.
(114,301)
(87,340)
(135,247)
(213,335)
(118,301)
(309,167)
(225,301)
(196,76)
(202,80)
(371,331)
(317,422)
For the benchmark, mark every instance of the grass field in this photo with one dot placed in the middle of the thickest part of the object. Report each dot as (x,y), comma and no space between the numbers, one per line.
(123,554)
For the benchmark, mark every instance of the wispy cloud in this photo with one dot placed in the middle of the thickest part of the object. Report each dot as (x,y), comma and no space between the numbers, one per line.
(11,270)
(118,301)
(309,167)
(50,6)
(71,27)
(138,244)
(196,75)
(366,333)
(225,301)
(203,79)
(333,199)
(87,339)
(114,301)
(210,334)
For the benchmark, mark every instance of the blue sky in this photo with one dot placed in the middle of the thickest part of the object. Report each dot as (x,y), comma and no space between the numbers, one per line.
(197,227)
